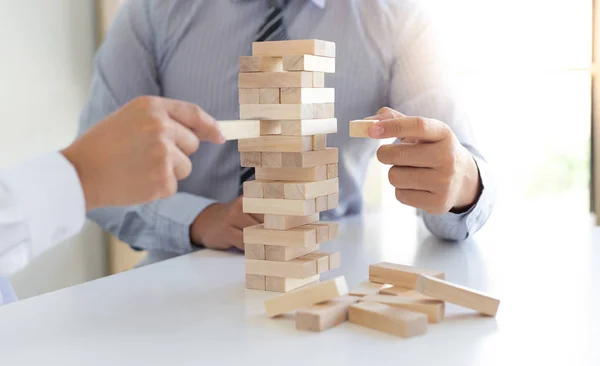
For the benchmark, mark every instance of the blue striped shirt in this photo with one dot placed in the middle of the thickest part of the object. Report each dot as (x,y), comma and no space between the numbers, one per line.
(387,55)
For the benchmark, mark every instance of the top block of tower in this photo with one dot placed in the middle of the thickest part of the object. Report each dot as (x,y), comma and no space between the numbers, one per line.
(294,47)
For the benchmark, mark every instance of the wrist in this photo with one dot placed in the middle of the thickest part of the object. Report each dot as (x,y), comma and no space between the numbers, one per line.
(470,187)
(200,224)
(89,192)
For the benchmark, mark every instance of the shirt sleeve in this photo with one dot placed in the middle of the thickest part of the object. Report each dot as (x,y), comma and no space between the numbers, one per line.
(125,68)
(424,83)
(41,204)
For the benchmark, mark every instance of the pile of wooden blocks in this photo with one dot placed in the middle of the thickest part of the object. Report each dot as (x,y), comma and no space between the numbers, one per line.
(288,112)
(397,299)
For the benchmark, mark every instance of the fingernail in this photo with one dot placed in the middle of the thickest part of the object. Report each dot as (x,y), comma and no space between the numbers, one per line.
(376,131)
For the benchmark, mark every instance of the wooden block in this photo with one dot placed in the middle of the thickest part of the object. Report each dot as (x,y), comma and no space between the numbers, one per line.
(256,282)
(368,288)
(399,275)
(319,142)
(306,296)
(269,96)
(272,159)
(326,315)
(333,228)
(249,96)
(332,171)
(278,207)
(308,127)
(311,174)
(360,128)
(385,318)
(239,129)
(262,64)
(434,309)
(306,95)
(407,294)
(310,158)
(321,204)
(273,190)
(322,260)
(251,159)
(394,290)
(276,144)
(333,200)
(322,232)
(322,110)
(283,254)
(297,237)
(458,295)
(284,222)
(295,268)
(255,251)
(318,80)
(286,111)
(270,128)
(294,47)
(308,63)
(306,190)
(253,189)
(335,260)
(276,80)
(281,284)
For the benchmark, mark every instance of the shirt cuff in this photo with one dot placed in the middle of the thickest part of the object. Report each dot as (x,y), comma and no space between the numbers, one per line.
(48,190)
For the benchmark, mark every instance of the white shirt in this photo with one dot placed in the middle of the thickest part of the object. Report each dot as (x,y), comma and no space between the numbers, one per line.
(41,204)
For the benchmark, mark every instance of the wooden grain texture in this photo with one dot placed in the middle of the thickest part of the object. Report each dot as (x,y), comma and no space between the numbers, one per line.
(285,253)
(276,80)
(276,144)
(278,207)
(298,237)
(400,322)
(307,127)
(458,295)
(308,63)
(399,275)
(295,268)
(311,174)
(255,251)
(394,290)
(284,111)
(306,296)
(272,159)
(268,127)
(285,222)
(249,96)
(326,315)
(306,95)
(332,171)
(310,158)
(321,110)
(434,309)
(256,282)
(262,64)
(306,190)
(318,80)
(333,201)
(253,189)
(273,190)
(286,284)
(321,204)
(239,129)
(367,288)
(294,47)
(360,128)
(319,142)
(333,228)
(250,158)
(268,96)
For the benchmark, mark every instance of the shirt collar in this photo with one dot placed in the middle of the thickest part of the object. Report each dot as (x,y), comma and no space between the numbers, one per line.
(320,3)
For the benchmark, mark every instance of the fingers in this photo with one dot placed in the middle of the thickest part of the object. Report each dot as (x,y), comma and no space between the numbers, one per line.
(237,238)
(182,166)
(411,155)
(419,199)
(196,119)
(183,137)
(259,218)
(423,179)
(419,128)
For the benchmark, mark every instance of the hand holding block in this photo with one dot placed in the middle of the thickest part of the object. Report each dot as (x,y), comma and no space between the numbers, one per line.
(385,318)
(306,296)
(434,309)
(398,274)
(239,129)
(360,128)
(325,315)
(458,295)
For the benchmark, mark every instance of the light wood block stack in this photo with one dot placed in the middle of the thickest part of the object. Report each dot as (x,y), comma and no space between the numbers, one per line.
(282,85)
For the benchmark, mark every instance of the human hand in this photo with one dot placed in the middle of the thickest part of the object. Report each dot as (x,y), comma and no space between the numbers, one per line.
(220,226)
(430,170)
(139,152)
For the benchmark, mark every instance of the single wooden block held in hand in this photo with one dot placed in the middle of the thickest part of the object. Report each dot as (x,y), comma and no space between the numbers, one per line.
(326,315)
(285,222)
(399,275)
(261,64)
(308,63)
(294,47)
(255,251)
(306,296)
(368,288)
(239,129)
(281,284)
(360,128)
(458,295)
(434,309)
(255,282)
(385,318)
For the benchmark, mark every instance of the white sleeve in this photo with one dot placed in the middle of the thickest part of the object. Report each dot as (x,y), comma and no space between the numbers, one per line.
(41,204)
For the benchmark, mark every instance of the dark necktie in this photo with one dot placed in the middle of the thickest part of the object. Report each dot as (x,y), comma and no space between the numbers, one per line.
(272,29)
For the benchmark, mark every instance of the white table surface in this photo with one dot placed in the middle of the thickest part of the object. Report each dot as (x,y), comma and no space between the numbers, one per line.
(194,310)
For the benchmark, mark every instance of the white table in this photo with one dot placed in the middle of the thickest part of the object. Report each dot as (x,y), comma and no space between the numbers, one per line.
(194,310)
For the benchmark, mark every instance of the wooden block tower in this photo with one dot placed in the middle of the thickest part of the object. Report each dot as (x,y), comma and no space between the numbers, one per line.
(282,85)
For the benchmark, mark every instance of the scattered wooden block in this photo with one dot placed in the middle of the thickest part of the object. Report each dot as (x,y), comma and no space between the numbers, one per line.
(458,295)
(318,80)
(306,95)
(268,96)
(399,275)
(295,268)
(268,127)
(249,96)
(360,128)
(276,80)
(276,144)
(255,251)
(307,190)
(326,315)
(333,200)
(306,296)
(297,237)
(434,309)
(368,288)
(385,318)
(308,127)
(394,290)
(294,47)
(322,110)
(332,171)
(251,159)
(285,222)
(273,190)
(319,142)
(261,64)
(278,207)
(285,253)
(311,174)
(281,284)
(308,63)
(256,282)
(239,129)
(310,158)
(253,189)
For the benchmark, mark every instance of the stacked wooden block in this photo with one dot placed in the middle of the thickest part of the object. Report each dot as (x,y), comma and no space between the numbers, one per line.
(282,85)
